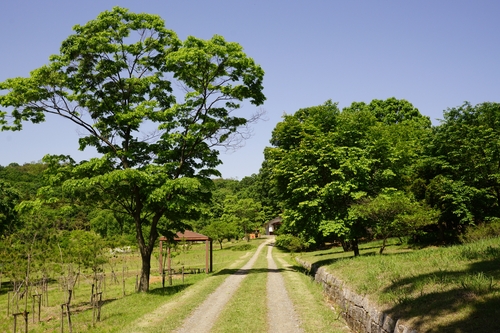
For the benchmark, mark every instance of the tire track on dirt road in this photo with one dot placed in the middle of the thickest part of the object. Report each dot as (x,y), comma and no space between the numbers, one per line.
(281,314)
(205,316)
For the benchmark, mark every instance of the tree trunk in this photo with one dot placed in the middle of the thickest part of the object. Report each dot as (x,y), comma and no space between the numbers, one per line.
(355,247)
(382,247)
(346,245)
(145,270)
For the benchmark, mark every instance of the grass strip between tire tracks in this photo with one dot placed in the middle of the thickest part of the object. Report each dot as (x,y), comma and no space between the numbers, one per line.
(246,311)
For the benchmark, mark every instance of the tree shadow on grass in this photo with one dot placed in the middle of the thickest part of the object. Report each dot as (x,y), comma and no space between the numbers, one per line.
(460,301)
(240,271)
(7,286)
(362,247)
(330,261)
(169,290)
(469,300)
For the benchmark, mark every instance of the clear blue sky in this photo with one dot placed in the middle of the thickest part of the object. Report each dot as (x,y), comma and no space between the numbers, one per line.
(435,54)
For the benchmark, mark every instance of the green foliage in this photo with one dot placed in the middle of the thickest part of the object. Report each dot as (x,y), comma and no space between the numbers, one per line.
(8,216)
(110,224)
(324,161)
(220,230)
(84,248)
(243,247)
(393,214)
(17,183)
(245,214)
(30,251)
(460,176)
(290,243)
(114,78)
(26,178)
(484,230)
(233,211)
(392,111)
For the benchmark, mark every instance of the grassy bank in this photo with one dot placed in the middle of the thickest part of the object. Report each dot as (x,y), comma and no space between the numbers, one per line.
(449,289)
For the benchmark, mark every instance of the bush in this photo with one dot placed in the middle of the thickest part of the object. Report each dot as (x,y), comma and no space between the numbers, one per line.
(242,247)
(290,243)
(482,231)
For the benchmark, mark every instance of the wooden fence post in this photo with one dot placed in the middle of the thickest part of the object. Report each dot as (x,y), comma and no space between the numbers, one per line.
(25,315)
(123,280)
(62,318)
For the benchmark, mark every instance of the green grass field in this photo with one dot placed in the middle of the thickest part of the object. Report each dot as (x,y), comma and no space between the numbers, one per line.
(118,311)
(447,289)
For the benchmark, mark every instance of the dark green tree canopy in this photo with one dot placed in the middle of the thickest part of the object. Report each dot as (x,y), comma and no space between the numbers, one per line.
(461,172)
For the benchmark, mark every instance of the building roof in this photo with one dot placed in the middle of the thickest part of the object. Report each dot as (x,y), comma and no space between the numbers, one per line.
(275,220)
(187,235)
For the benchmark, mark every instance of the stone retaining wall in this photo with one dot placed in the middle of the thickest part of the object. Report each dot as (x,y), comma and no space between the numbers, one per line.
(360,315)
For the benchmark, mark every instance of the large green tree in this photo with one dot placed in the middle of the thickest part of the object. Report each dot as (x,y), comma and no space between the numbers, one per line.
(324,161)
(461,174)
(154,107)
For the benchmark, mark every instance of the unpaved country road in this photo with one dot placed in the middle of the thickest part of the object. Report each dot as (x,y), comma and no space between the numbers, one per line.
(207,313)
(281,315)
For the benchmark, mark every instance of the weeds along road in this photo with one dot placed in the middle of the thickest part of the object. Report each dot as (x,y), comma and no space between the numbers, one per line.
(281,315)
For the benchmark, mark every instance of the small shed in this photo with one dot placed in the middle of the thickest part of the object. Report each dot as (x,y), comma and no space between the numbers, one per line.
(272,225)
(189,236)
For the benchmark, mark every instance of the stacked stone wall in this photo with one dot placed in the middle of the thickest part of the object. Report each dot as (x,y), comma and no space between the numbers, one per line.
(358,312)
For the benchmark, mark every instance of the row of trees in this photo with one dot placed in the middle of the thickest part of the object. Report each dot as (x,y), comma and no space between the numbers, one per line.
(381,169)
(39,243)
(46,240)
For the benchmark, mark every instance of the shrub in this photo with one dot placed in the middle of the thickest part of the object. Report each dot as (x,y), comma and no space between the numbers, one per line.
(242,247)
(290,243)
(482,231)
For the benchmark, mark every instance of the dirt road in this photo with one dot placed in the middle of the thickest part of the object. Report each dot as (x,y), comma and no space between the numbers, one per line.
(281,315)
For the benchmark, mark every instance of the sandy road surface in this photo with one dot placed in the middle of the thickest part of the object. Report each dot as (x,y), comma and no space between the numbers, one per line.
(204,317)
(281,315)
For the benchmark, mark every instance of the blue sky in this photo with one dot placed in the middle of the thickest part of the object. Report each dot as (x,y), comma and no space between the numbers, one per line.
(435,54)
